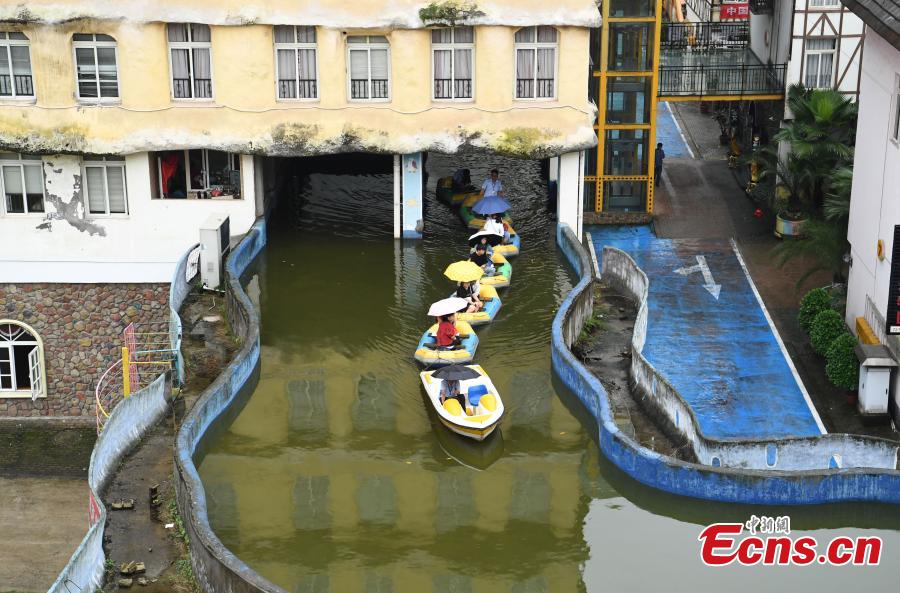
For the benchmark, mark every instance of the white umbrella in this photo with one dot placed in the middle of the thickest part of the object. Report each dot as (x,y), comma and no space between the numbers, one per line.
(447,306)
(493,238)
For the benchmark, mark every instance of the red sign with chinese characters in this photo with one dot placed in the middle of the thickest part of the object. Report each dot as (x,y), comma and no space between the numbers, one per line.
(734,10)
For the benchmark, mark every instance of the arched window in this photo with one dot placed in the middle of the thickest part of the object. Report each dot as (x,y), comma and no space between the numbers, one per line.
(21,361)
(451,50)
(536,63)
(96,73)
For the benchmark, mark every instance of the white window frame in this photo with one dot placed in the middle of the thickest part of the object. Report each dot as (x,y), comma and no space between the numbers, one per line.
(895,114)
(191,45)
(8,43)
(37,372)
(368,46)
(21,163)
(296,47)
(104,163)
(820,52)
(452,47)
(94,45)
(536,45)
(233,157)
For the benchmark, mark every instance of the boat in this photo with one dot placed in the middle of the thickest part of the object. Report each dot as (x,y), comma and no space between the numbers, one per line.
(446,194)
(478,455)
(476,221)
(492,304)
(484,408)
(512,248)
(503,274)
(429,355)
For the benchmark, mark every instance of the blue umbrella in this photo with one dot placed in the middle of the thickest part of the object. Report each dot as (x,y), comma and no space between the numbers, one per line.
(491,205)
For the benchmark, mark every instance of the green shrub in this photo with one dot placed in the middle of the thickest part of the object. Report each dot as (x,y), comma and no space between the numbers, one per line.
(814,302)
(826,326)
(842,366)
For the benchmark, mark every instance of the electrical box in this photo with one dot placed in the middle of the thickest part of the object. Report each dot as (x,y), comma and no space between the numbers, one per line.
(875,365)
(215,243)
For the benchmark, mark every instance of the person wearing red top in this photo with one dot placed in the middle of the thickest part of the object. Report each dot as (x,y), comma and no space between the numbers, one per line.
(447,335)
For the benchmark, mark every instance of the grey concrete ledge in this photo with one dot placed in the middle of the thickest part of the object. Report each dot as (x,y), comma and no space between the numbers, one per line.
(730,484)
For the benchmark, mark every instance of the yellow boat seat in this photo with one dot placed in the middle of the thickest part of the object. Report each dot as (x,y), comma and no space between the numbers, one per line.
(486,292)
(453,408)
(488,401)
(498,259)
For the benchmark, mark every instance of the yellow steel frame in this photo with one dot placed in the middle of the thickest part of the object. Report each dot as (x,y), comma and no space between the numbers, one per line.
(602,127)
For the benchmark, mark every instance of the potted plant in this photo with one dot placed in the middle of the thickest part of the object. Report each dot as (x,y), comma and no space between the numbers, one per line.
(842,366)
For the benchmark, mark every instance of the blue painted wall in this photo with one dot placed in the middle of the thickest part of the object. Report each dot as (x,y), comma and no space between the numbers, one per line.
(721,355)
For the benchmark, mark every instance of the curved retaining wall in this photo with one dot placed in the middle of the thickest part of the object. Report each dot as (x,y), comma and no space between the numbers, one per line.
(215,567)
(178,291)
(129,421)
(731,484)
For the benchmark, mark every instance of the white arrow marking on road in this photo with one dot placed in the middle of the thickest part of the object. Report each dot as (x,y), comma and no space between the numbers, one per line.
(708,280)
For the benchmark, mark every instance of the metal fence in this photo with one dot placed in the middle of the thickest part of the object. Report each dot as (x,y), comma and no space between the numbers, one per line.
(739,79)
(700,36)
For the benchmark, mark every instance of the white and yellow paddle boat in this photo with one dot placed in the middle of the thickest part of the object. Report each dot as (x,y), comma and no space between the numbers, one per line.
(483,406)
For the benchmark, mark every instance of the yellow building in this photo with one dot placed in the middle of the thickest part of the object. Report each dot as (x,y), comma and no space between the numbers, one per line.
(125,125)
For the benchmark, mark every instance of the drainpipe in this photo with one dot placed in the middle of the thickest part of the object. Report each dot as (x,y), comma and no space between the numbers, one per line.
(396,196)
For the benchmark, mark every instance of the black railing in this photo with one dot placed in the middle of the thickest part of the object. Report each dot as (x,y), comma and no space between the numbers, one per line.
(359,88)
(20,82)
(761,6)
(705,36)
(446,88)
(182,89)
(526,87)
(746,79)
(287,89)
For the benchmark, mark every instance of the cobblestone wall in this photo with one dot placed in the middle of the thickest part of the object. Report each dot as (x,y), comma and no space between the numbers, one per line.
(81,328)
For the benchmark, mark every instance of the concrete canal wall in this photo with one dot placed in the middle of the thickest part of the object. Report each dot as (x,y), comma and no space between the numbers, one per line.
(777,471)
(215,567)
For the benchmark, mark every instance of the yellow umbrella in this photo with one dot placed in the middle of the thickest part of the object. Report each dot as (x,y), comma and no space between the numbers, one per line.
(464,271)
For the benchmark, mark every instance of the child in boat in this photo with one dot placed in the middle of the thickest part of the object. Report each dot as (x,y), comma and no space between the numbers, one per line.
(447,337)
(481,258)
(469,291)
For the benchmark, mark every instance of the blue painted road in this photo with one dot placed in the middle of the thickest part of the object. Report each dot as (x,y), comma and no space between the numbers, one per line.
(667,133)
(721,355)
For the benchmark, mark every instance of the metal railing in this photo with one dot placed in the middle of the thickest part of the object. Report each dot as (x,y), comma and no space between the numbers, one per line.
(288,89)
(201,89)
(702,36)
(447,88)
(531,88)
(740,79)
(376,88)
(20,83)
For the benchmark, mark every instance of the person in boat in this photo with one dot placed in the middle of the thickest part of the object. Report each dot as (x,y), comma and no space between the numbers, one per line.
(447,336)
(492,186)
(469,292)
(450,390)
(487,247)
(462,180)
(493,223)
(482,259)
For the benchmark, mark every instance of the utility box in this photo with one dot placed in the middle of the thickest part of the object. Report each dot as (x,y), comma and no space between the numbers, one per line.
(875,365)
(215,243)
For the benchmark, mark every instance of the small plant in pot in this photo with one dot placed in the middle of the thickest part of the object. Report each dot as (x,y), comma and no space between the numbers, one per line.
(842,366)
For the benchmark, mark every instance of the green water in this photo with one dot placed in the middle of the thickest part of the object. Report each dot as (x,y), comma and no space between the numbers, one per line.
(335,477)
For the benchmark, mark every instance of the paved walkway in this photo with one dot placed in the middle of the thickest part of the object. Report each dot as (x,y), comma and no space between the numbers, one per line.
(709,337)
(668,132)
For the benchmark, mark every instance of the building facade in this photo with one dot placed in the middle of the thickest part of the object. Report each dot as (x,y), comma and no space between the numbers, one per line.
(875,202)
(124,126)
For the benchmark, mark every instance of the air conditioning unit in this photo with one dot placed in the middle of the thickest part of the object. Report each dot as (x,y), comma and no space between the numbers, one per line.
(215,243)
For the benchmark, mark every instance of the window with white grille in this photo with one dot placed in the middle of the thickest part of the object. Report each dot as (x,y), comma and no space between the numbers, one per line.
(191,64)
(15,66)
(820,55)
(536,63)
(22,183)
(369,60)
(452,52)
(104,185)
(96,73)
(21,362)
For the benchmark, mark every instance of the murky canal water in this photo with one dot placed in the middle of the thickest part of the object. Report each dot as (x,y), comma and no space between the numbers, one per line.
(335,476)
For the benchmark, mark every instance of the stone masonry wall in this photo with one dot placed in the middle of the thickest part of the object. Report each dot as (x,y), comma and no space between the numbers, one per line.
(81,327)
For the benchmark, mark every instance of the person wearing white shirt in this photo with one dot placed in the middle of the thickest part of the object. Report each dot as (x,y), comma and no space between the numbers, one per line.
(492,186)
(492,226)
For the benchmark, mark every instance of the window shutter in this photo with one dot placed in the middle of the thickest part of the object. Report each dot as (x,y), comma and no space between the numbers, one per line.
(379,64)
(96,190)
(115,186)
(359,66)
(34,371)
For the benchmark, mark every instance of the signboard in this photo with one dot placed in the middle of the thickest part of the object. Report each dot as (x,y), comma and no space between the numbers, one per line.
(734,11)
(893,303)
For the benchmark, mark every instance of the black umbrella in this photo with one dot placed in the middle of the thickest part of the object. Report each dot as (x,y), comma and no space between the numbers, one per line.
(493,239)
(455,372)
